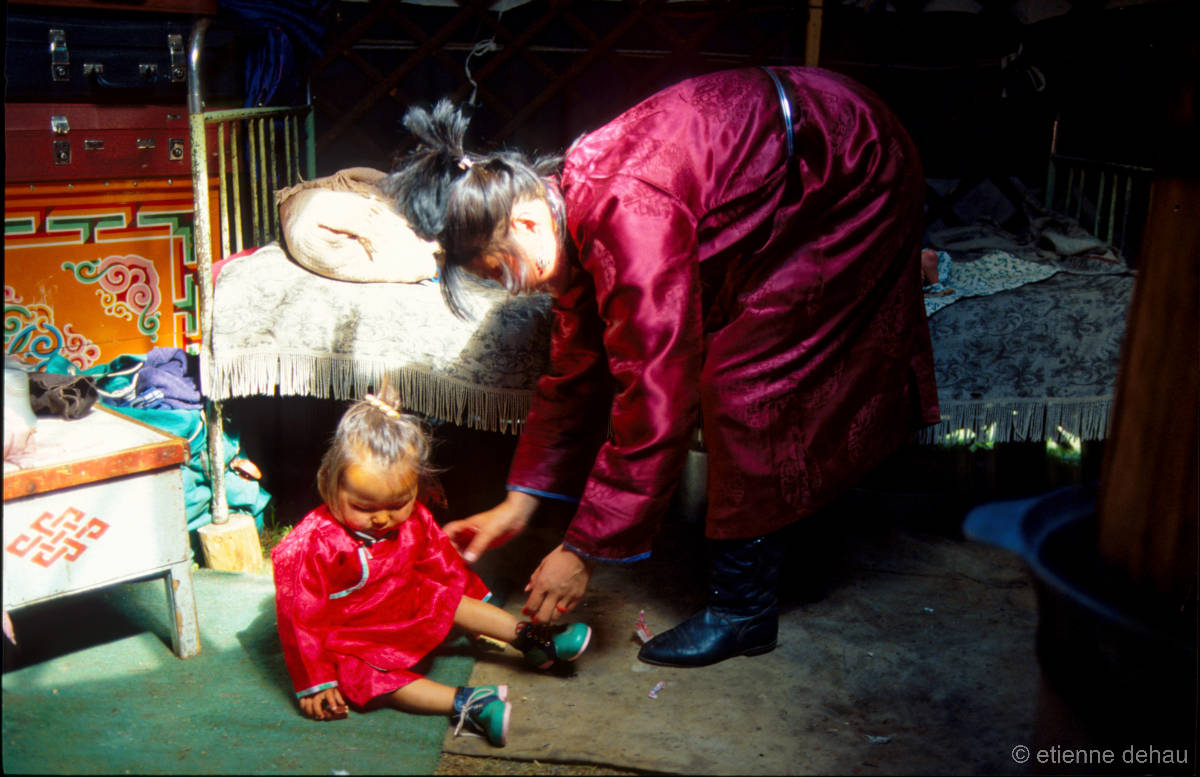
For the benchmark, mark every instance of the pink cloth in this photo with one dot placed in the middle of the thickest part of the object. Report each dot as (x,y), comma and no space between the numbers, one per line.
(783,307)
(358,615)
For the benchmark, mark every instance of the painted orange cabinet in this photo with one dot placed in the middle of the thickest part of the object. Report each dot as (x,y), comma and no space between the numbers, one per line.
(97,269)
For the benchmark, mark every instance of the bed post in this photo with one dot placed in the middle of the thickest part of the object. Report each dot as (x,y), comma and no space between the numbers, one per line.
(231,546)
(202,244)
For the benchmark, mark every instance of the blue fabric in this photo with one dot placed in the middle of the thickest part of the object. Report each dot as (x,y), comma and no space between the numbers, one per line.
(290,33)
(163,381)
(158,379)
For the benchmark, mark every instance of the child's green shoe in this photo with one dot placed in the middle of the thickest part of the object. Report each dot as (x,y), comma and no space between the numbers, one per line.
(485,710)
(545,643)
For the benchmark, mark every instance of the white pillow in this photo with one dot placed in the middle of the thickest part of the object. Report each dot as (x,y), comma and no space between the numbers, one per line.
(354,237)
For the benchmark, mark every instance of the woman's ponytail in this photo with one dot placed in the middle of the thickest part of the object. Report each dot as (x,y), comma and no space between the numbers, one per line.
(421,184)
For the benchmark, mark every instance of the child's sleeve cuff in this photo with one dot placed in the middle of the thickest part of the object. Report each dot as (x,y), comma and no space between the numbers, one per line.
(316,689)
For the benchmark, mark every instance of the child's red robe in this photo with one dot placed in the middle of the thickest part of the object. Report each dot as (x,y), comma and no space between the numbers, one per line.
(357,614)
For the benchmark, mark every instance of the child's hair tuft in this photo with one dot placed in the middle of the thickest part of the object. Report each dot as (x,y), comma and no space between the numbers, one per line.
(376,429)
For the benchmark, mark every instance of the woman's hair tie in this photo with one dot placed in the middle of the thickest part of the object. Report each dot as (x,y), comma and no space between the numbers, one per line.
(381,406)
(465,163)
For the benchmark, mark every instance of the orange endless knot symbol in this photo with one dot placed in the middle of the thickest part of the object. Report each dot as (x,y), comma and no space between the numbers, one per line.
(55,538)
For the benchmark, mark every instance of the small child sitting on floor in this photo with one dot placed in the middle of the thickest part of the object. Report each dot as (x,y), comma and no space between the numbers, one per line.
(368,584)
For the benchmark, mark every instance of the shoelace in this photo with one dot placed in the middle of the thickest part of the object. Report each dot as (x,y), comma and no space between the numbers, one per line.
(542,633)
(476,695)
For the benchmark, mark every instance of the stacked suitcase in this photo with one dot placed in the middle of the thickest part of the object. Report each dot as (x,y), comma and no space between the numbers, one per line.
(98,192)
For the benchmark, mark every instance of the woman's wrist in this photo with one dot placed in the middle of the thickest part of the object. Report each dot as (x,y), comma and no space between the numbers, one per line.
(522,505)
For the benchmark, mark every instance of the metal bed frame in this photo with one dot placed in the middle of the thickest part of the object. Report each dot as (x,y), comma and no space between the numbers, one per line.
(258,151)
(1108,199)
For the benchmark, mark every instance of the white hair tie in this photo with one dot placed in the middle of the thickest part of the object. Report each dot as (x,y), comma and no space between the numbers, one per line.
(465,163)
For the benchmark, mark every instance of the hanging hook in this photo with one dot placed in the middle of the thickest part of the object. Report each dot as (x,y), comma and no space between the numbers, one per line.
(482,47)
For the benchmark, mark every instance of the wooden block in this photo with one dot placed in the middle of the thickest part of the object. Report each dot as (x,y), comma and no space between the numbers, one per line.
(232,546)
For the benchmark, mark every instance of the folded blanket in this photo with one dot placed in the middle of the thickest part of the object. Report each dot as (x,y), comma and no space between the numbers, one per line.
(163,382)
(343,227)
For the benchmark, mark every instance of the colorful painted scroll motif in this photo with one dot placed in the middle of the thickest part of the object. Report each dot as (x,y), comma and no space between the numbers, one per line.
(94,270)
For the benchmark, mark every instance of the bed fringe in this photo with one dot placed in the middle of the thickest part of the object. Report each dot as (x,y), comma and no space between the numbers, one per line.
(1024,419)
(504,410)
(434,396)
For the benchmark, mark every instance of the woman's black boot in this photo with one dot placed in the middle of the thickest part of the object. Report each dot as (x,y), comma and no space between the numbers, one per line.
(741,617)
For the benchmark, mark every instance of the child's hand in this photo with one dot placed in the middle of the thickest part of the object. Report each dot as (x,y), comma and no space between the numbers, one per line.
(491,528)
(325,705)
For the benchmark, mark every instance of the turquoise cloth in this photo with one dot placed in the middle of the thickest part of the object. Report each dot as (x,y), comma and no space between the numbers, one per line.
(116,379)
(242,495)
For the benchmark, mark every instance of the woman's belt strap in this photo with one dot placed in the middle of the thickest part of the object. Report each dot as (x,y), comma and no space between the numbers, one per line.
(786,106)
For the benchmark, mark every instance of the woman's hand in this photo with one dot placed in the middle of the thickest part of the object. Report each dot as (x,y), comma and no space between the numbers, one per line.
(492,528)
(324,705)
(557,585)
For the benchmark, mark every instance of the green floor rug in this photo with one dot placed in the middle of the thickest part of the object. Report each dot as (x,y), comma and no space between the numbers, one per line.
(93,687)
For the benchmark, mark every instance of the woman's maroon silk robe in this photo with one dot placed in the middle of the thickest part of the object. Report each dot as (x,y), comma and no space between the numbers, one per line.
(778,303)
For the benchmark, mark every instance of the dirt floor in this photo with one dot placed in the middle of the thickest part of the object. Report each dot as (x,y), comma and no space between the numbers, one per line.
(904,647)
(867,608)
(465,764)
(888,635)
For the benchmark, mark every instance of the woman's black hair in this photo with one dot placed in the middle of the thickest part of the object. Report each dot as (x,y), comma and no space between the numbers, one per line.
(463,200)
(422,182)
